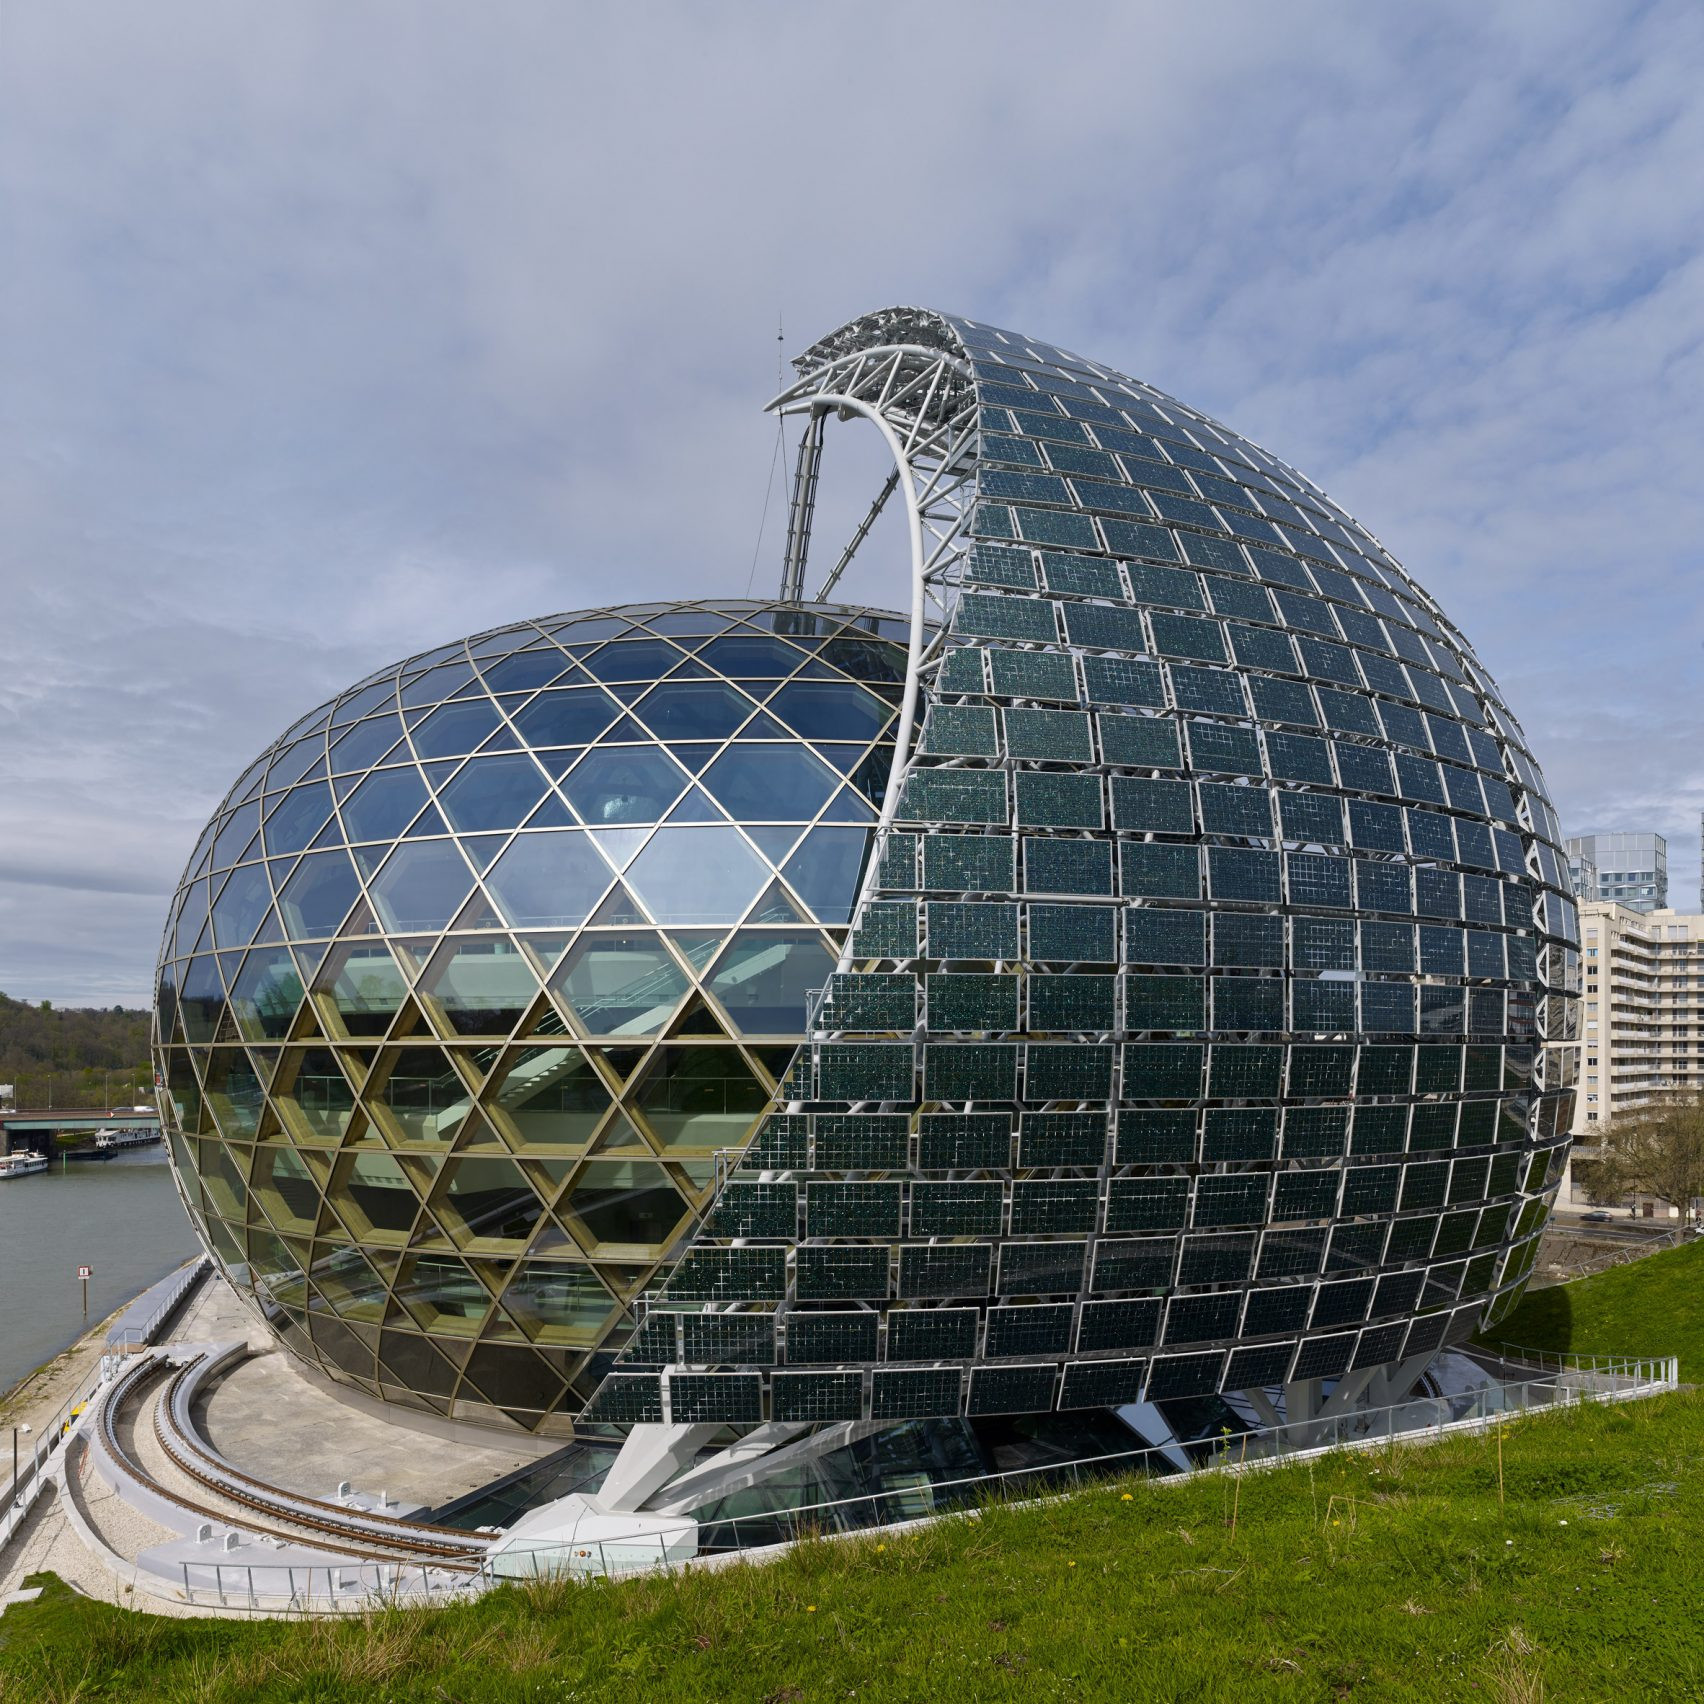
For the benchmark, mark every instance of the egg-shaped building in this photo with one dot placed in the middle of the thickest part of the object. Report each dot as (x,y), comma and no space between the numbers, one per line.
(1207,929)
(480,967)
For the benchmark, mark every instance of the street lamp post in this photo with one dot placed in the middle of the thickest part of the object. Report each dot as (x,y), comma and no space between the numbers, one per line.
(15,1431)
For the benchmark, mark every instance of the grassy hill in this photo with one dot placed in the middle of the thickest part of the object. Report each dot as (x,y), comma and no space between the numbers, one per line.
(1653,1306)
(1392,1577)
(1560,1566)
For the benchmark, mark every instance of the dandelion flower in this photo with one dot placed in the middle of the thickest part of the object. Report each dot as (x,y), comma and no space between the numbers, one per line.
(810,1609)
(1125,1498)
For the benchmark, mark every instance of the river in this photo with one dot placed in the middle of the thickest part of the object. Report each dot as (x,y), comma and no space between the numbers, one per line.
(121,1216)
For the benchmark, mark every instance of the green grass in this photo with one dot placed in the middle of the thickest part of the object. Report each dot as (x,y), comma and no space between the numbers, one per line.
(1400,1575)
(1562,1566)
(1653,1306)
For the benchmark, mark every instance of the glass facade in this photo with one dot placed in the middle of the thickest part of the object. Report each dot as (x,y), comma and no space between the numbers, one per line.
(1192,1032)
(1187,990)
(477,970)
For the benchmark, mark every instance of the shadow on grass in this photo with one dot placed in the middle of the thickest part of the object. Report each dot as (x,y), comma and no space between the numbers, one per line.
(1543,1319)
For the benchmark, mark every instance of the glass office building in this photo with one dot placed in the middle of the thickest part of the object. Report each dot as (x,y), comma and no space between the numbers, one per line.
(1630,869)
(1188,916)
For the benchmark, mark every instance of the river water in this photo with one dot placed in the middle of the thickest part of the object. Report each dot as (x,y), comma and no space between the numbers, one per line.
(121,1216)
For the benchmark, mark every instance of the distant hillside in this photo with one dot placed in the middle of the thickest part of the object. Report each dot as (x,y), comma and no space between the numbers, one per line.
(79,1056)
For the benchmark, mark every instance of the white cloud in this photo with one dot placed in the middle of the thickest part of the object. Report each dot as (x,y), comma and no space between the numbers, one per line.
(351,329)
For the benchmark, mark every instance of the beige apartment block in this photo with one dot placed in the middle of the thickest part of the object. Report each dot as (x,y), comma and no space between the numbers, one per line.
(1641,1018)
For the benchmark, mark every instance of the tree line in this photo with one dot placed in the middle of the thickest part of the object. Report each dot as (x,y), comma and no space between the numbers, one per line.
(75,1056)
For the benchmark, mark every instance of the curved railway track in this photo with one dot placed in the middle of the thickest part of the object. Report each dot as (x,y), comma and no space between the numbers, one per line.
(293,1521)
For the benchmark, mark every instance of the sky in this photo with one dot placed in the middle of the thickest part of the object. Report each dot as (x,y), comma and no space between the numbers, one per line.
(331,332)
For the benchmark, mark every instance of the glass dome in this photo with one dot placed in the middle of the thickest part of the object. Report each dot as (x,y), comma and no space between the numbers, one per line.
(479,968)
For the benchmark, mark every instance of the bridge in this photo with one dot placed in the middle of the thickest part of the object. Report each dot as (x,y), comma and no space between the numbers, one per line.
(35,1127)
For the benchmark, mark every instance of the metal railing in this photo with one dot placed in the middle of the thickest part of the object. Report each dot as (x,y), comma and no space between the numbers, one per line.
(644,1549)
(357,1587)
(47,1439)
(134,1336)
(339,1589)
(1564,1361)
(32,1476)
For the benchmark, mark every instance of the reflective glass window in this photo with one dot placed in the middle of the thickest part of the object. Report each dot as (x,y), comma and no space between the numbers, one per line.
(699,1098)
(697,875)
(242,903)
(626,1203)
(318,894)
(621,984)
(548,880)
(385,803)
(492,793)
(764,979)
(452,729)
(620,784)
(566,717)
(422,886)
(770,783)
(297,818)
(830,711)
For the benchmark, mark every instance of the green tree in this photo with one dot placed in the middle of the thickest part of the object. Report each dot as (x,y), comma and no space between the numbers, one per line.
(1656,1149)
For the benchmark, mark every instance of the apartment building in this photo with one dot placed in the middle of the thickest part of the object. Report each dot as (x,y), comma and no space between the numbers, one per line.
(1641,1013)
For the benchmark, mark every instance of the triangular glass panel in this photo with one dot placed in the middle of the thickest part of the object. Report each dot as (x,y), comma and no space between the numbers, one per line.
(503,740)
(845,758)
(625,729)
(693,756)
(229,963)
(544,950)
(271,930)
(477,914)
(696,946)
(252,851)
(848,806)
(545,1018)
(552,814)
(696,806)
(814,670)
(344,785)
(775,842)
(628,691)
(330,835)
(696,1019)
(477,1136)
(774,906)
(428,822)
(560,762)
(438,773)
(620,1137)
(550,1238)
(690,670)
(618,845)
(360,920)
(617,908)
(763,727)
(368,859)
(308,956)
(410,1020)
(622,1061)
(482,849)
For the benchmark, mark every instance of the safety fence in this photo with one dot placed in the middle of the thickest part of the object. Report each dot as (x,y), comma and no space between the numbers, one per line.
(165,1299)
(1593,1379)
(33,1473)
